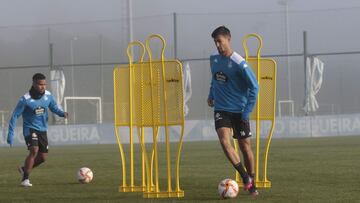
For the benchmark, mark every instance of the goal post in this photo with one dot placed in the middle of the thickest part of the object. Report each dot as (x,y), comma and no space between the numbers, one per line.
(98,106)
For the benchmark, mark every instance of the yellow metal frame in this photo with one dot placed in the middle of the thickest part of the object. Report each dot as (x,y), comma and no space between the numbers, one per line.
(264,182)
(132,187)
(150,184)
(157,193)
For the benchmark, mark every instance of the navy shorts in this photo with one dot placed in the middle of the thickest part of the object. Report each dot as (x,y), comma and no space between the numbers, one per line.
(37,138)
(241,127)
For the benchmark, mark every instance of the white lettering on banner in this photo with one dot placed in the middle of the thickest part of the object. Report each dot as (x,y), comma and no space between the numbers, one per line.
(334,125)
(345,125)
(306,126)
(323,126)
(74,134)
(356,124)
(317,126)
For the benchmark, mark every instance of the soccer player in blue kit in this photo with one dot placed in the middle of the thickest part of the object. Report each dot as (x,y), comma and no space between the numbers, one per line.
(33,107)
(233,93)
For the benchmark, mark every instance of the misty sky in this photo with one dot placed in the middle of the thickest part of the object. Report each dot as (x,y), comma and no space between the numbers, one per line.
(31,12)
(332,29)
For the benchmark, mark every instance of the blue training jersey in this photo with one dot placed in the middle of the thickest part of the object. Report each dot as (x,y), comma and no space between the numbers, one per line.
(34,113)
(234,87)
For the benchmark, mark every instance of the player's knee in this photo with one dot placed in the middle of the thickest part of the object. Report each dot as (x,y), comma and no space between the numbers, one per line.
(43,157)
(224,141)
(226,144)
(245,147)
(34,151)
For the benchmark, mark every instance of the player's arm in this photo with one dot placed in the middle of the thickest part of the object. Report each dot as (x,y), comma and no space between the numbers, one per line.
(210,99)
(55,109)
(19,109)
(253,89)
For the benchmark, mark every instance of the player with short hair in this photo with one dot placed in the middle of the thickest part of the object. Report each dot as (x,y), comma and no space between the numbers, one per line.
(33,107)
(233,94)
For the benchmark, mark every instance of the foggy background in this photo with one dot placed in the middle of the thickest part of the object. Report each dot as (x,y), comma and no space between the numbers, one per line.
(88,33)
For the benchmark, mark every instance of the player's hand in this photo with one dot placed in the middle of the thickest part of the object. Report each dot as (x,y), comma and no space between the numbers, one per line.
(66,115)
(9,140)
(210,102)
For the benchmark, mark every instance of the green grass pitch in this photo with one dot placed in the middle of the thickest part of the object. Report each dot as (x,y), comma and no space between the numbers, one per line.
(301,170)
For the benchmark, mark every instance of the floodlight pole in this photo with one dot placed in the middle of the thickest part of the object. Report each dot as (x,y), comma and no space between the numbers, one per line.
(130,24)
(72,73)
(51,56)
(285,3)
(101,66)
(305,72)
(175,34)
(51,63)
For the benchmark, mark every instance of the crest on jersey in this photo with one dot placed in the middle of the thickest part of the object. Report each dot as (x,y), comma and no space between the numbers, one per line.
(221,77)
(39,111)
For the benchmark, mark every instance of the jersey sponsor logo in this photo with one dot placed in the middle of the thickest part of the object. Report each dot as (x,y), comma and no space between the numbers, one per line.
(39,111)
(230,64)
(221,77)
(215,60)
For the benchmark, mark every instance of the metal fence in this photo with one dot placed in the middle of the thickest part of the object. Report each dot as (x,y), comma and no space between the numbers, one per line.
(88,52)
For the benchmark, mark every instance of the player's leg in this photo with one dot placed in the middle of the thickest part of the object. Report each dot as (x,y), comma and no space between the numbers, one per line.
(43,149)
(32,142)
(223,128)
(243,134)
(40,158)
(30,160)
(28,165)
(224,135)
(245,148)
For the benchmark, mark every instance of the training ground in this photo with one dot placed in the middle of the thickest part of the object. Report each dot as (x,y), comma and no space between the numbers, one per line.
(301,170)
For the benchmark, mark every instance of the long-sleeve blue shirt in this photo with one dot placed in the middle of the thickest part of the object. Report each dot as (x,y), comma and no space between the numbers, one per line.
(34,113)
(234,87)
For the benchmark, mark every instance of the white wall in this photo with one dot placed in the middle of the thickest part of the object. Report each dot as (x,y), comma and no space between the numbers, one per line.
(197,130)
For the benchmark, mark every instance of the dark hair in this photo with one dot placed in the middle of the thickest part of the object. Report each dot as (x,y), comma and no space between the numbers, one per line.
(38,76)
(222,30)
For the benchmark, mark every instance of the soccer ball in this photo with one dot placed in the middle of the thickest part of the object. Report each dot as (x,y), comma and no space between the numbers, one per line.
(228,189)
(84,175)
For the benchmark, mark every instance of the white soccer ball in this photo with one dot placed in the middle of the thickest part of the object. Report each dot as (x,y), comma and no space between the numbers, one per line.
(228,188)
(84,175)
